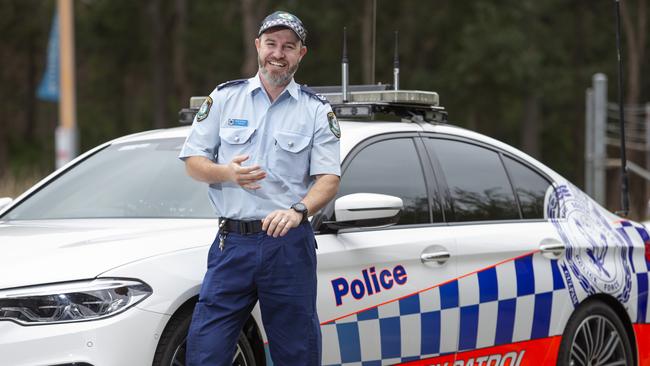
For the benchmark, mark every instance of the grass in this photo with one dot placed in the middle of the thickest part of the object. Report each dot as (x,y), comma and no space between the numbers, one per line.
(13,185)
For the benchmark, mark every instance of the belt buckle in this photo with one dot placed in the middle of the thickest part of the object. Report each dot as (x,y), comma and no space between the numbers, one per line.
(244,227)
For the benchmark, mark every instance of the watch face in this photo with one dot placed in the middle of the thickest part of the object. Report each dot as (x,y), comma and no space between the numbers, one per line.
(300,207)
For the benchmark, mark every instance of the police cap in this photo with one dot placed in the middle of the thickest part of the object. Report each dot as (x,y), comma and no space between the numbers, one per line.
(286,20)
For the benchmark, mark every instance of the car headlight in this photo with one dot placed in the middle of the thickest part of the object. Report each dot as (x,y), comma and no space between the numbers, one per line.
(71,301)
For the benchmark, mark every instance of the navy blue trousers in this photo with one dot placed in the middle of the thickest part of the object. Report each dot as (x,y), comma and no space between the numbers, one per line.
(281,274)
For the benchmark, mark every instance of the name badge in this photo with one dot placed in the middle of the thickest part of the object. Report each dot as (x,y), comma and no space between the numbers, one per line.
(238,122)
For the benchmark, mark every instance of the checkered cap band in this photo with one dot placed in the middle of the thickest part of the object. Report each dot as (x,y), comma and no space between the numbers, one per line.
(283,19)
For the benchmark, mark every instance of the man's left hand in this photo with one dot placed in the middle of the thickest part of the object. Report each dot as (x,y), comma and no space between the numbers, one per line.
(279,222)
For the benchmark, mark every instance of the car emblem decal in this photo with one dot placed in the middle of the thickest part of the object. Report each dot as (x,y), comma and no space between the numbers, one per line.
(596,254)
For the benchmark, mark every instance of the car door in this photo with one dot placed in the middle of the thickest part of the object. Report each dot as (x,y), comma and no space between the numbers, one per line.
(379,301)
(512,297)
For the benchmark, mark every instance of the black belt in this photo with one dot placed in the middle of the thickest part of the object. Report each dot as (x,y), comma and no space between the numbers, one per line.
(241,226)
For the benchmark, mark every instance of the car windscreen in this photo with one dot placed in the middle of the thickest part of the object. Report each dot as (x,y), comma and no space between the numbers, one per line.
(143,179)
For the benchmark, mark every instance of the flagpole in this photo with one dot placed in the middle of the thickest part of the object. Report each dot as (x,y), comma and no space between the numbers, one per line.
(66,133)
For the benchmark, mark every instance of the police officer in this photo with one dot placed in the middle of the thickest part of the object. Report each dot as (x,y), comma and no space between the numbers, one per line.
(269,149)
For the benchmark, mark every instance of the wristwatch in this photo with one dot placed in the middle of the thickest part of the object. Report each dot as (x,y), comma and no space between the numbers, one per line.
(301,209)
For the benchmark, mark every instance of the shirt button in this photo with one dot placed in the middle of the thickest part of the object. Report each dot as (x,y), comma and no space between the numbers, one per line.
(290,144)
(236,138)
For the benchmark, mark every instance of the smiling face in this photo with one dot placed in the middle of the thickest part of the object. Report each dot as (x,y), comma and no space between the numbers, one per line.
(279,52)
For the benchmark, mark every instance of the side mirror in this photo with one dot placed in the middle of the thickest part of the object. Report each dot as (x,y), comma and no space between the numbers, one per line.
(366,209)
(5,202)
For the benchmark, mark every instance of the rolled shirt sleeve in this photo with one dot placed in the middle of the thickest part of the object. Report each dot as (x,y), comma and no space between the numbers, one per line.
(326,150)
(203,139)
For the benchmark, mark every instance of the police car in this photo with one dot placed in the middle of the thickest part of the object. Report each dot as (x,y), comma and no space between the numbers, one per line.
(443,247)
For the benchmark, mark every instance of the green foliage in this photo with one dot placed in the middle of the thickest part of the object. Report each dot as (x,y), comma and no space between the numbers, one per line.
(484,57)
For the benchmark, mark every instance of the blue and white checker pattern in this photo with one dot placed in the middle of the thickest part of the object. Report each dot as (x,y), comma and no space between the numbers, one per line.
(639,311)
(425,324)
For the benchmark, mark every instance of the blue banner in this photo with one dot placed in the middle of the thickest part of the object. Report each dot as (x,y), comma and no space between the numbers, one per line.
(48,89)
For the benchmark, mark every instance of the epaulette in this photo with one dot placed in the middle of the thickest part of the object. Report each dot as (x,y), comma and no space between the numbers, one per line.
(231,83)
(313,94)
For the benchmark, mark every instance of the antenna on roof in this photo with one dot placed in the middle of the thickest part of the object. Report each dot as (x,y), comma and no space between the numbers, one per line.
(625,195)
(396,63)
(344,67)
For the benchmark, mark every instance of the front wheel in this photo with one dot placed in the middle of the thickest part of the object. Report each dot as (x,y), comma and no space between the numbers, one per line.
(595,336)
(171,349)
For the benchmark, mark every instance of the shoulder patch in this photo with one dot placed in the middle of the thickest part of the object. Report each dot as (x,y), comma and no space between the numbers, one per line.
(231,83)
(313,94)
(204,110)
(334,124)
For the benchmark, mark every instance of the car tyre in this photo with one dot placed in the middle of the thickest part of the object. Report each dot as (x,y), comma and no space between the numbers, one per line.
(595,335)
(171,348)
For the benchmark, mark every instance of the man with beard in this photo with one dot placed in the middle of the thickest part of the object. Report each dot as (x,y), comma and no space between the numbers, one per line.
(269,150)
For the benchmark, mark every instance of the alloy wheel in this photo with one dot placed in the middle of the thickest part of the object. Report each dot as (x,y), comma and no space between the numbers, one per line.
(597,342)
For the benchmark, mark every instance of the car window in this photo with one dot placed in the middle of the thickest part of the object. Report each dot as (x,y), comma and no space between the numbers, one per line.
(390,167)
(143,179)
(477,181)
(530,186)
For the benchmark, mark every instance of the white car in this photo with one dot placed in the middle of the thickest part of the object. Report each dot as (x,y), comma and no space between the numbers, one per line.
(443,247)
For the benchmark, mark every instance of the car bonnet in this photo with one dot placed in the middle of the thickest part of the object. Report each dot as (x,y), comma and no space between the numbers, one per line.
(50,251)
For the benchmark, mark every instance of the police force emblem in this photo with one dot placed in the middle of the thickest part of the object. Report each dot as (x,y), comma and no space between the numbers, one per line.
(597,255)
(204,110)
(334,124)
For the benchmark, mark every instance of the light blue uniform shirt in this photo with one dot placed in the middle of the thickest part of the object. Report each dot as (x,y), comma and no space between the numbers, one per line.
(291,139)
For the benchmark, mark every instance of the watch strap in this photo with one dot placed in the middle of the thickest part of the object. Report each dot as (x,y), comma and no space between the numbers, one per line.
(301,209)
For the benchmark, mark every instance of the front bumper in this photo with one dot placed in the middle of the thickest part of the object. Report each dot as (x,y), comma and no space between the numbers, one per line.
(129,338)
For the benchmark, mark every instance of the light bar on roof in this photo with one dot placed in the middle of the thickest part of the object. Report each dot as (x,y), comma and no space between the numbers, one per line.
(353,111)
(380,96)
(387,96)
(359,105)
(195,102)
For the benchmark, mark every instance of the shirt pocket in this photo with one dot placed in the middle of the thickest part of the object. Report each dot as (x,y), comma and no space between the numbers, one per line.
(290,155)
(234,141)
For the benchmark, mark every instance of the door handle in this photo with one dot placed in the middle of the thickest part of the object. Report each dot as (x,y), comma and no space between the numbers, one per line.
(552,248)
(439,257)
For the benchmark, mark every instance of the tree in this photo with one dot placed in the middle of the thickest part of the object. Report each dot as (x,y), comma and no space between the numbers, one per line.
(368,41)
(252,12)
(181,82)
(159,63)
(634,31)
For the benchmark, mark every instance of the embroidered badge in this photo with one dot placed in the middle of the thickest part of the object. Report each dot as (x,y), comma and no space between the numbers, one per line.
(286,16)
(204,110)
(334,124)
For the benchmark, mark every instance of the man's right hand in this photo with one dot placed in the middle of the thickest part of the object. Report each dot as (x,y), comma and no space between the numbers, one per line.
(247,176)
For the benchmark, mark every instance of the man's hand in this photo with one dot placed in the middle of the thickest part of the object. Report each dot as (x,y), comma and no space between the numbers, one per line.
(278,222)
(245,176)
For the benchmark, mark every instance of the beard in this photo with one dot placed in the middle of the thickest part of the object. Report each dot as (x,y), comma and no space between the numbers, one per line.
(280,78)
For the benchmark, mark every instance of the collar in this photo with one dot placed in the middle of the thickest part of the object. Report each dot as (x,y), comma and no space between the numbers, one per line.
(255,84)
(293,89)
